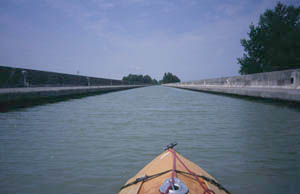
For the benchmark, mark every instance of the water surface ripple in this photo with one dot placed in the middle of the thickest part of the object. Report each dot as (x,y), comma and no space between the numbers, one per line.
(94,144)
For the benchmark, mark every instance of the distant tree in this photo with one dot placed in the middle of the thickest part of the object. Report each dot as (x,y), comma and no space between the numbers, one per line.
(138,79)
(125,78)
(134,79)
(274,44)
(169,78)
(147,79)
(154,82)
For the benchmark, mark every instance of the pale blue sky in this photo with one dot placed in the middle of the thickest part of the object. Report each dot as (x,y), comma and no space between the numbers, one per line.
(193,39)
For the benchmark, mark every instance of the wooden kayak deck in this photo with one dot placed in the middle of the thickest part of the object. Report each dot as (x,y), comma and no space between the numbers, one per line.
(164,162)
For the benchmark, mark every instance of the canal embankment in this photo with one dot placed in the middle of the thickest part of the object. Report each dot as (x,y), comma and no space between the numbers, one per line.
(278,85)
(25,87)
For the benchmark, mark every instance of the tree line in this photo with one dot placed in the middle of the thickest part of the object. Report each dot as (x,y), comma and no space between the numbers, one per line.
(146,79)
(274,44)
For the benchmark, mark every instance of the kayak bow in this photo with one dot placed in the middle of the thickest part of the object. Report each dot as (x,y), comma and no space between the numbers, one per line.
(172,173)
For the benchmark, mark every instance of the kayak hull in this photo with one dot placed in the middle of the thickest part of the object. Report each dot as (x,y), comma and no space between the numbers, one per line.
(164,162)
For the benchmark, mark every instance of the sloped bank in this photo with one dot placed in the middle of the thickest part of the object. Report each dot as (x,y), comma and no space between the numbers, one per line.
(278,85)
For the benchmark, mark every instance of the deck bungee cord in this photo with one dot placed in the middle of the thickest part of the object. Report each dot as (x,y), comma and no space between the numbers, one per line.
(174,185)
(204,187)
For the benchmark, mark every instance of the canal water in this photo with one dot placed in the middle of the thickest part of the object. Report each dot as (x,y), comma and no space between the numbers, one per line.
(94,144)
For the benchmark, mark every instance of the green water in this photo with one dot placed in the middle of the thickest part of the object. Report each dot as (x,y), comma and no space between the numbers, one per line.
(94,144)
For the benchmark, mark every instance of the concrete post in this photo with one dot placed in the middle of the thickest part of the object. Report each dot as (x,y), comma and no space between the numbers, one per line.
(295,79)
(26,84)
(88,81)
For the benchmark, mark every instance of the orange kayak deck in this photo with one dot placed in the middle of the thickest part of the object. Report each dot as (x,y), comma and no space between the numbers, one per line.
(164,162)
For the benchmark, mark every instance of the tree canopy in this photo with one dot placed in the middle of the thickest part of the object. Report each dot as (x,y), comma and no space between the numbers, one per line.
(169,78)
(154,82)
(274,44)
(139,79)
(146,79)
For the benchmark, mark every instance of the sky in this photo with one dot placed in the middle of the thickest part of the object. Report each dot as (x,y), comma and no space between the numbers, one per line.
(193,39)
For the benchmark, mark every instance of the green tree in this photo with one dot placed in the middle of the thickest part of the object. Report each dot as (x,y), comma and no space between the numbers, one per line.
(147,79)
(169,78)
(139,79)
(154,82)
(274,44)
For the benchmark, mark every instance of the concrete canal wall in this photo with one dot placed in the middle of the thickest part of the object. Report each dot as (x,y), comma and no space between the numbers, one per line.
(17,77)
(11,98)
(280,85)
(8,95)
(25,87)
